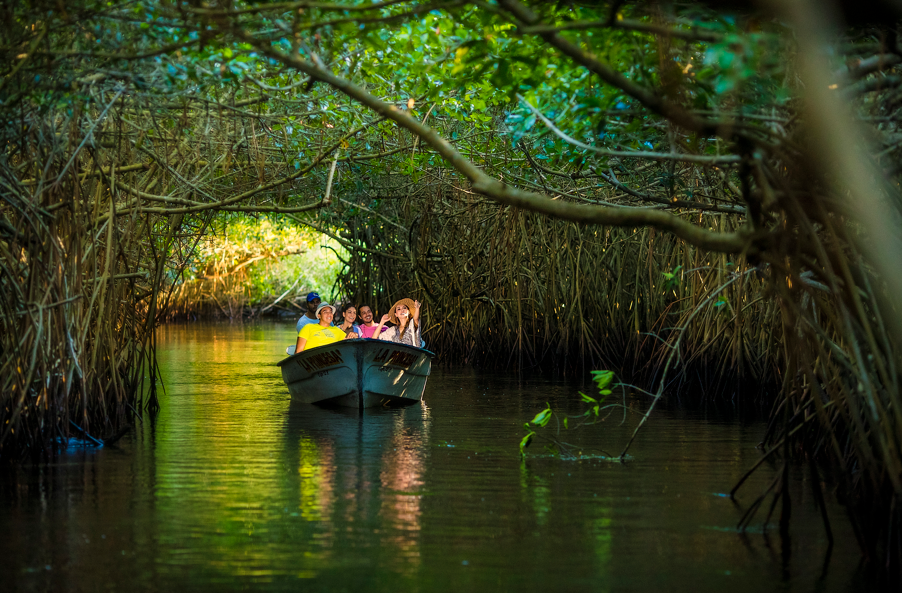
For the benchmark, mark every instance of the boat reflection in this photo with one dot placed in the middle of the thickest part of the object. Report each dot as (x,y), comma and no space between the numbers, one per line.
(361,468)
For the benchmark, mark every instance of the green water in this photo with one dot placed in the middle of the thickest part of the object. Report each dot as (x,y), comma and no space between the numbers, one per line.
(231,487)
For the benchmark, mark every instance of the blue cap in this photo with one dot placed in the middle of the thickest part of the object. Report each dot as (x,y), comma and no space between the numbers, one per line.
(312,296)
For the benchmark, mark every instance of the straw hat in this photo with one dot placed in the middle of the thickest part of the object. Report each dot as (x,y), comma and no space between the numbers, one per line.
(410,306)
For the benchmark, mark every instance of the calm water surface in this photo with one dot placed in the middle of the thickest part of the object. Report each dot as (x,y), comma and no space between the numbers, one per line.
(231,487)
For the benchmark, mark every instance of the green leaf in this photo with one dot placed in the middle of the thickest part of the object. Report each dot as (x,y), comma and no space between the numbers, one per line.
(602,378)
(524,442)
(543,417)
(587,399)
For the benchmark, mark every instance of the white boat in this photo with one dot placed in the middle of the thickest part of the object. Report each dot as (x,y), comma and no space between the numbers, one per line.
(359,373)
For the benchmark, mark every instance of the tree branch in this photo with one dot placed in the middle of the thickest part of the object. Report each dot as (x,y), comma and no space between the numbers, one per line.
(635,154)
(733,242)
(694,34)
(673,112)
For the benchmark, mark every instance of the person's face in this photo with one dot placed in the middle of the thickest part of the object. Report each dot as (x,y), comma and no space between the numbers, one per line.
(350,314)
(402,311)
(327,314)
(366,314)
(312,305)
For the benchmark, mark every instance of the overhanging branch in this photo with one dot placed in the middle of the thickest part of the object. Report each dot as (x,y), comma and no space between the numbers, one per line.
(733,242)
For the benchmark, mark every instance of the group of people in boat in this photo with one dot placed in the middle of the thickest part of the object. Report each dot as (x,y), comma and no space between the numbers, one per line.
(317,327)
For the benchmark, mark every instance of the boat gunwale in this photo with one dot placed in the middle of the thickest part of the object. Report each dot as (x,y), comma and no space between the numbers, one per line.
(354,342)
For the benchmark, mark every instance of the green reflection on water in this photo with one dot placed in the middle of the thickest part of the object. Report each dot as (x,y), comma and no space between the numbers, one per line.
(601,526)
(315,490)
(259,484)
(231,488)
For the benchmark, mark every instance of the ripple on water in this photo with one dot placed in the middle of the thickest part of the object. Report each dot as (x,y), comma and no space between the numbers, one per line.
(232,487)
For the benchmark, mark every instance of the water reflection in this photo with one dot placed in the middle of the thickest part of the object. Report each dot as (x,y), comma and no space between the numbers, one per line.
(355,469)
(232,487)
(262,483)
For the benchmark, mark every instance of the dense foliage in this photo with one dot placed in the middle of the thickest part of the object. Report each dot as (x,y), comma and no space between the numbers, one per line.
(253,267)
(417,135)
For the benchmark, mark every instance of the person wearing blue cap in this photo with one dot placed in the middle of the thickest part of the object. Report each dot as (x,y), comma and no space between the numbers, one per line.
(313,302)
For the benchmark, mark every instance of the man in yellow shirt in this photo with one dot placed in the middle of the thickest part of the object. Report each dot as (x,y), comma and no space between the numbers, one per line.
(323,333)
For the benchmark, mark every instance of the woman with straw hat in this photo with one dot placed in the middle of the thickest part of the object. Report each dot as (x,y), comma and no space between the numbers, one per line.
(405,315)
(322,333)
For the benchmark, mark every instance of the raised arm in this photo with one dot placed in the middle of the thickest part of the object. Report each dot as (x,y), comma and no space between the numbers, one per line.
(382,322)
(377,333)
(416,312)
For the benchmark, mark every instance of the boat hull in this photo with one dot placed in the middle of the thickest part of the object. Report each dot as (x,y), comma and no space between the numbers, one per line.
(358,374)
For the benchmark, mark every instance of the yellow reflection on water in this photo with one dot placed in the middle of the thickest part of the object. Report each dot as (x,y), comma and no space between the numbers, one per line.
(316,490)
